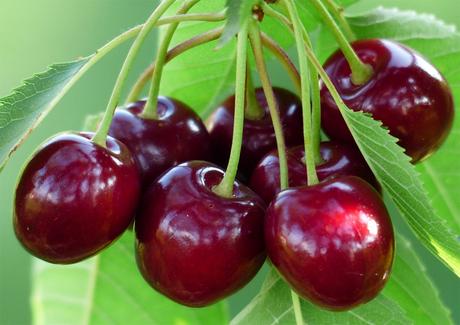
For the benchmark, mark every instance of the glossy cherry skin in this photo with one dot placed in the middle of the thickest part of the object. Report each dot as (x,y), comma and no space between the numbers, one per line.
(332,242)
(177,135)
(406,93)
(75,197)
(194,246)
(258,135)
(338,159)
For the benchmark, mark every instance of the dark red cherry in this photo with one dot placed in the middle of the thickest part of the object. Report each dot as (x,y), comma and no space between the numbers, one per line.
(332,242)
(338,159)
(259,135)
(177,135)
(194,246)
(75,197)
(406,93)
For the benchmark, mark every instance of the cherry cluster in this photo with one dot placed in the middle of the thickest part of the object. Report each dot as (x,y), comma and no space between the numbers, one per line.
(333,242)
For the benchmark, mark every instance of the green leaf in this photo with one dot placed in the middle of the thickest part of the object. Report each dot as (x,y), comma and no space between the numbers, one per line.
(409,297)
(439,229)
(238,11)
(23,110)
(411,288)
(440,43)
(273,305)
(401,181)
(108,289)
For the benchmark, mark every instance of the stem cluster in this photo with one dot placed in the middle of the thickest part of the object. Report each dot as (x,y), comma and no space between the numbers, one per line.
(246,105)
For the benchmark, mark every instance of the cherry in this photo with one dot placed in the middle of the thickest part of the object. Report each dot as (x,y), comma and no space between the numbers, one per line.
(177,135)
(75,197)
(338,159)
(191,244)
(406,93)
(332,242)
(259,135)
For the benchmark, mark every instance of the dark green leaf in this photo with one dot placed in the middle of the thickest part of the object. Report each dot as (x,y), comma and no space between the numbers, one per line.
(399,178)
(21,112)
(441,44)
(238,11)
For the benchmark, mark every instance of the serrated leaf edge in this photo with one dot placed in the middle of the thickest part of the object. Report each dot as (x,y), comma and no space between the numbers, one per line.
(440,251)
(30,81)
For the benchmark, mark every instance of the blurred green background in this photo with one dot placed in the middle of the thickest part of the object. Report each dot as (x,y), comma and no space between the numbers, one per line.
(34,34)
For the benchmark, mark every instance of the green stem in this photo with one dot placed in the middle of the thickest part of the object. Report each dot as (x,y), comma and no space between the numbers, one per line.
(297,309)
(101,133)
(253,109)
(150,108)
(316,106)
(316,113)
(312,177)
(186,45)
(256,44)
(283,58)
(225,188)
(324,77)
(269,11)
(337,12)
(360,71)
(210,17)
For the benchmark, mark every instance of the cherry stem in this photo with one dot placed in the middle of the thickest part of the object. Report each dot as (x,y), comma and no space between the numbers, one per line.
(337,12)
(283,58)
(225,188)
(316,107)
(269,11)
(297,309)
(324,76)
(150,108)
(210,17)
(360,71)
(183,47)
(101,133)
(312,177)
(316,103)
(253,109)
(256,44)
